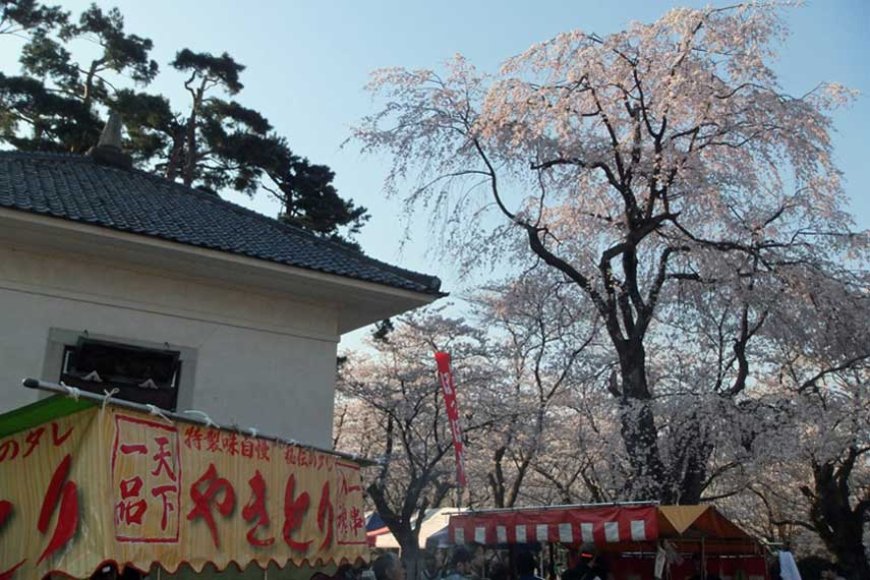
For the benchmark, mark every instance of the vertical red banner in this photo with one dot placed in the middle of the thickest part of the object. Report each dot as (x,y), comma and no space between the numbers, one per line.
(448,387)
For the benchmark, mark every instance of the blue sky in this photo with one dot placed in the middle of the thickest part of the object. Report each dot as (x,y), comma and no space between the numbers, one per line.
(308,61)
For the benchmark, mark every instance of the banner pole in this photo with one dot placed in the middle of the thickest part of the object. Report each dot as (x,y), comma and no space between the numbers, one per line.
(185,418)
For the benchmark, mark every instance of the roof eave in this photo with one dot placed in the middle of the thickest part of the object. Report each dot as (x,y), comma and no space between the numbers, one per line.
(360,302)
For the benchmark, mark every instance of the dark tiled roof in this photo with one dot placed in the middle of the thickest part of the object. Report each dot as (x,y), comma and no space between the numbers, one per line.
(76,188)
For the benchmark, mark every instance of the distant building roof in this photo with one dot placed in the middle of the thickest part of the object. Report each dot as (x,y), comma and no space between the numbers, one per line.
(76,188)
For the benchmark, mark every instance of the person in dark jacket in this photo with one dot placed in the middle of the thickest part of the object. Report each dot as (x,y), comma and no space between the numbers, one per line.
(589,566)
(388,567)
(460,564)
(527,566)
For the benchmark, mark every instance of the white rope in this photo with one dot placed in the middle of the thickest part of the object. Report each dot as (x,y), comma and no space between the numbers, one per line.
(153,410)
(206,418)
(108,395)
(102,418)
(72,392)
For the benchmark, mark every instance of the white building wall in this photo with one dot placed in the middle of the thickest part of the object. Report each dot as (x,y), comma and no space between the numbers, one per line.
(253,358)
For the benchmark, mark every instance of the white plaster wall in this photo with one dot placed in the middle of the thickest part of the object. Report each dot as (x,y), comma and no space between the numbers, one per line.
(261,359)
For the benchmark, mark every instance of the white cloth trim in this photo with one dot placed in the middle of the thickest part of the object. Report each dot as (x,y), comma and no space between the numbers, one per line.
(638,530)
(611,532)
(586,532)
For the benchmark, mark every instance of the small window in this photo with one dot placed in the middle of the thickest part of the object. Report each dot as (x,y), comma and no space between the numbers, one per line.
(142,375)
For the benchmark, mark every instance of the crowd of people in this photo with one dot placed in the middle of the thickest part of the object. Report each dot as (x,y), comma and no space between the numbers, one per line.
(463,564)
(588,564)
(467,564)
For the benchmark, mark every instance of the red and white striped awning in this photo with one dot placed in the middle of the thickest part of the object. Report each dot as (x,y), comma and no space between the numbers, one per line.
(601,524)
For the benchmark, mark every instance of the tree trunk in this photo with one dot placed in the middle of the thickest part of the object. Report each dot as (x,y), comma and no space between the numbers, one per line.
(408,541)
(688,467)
(496,478)
(639,431)
(839,526)
(402,530)
(190,137)
(88,90)
(695,475)
(176,154)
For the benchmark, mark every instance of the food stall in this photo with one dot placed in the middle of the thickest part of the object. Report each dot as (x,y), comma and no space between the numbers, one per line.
(88,482)
(630,537)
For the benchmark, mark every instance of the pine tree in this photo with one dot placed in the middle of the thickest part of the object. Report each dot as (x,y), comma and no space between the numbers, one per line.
(58,103)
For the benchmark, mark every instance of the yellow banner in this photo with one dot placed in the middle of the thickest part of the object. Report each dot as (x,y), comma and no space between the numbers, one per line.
(113,485)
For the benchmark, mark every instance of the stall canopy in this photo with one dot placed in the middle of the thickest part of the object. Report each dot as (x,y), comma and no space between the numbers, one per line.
(84,483)
(563,524)
(704,523)
(375,526)
(434,524)
(617,527)
(374,521)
